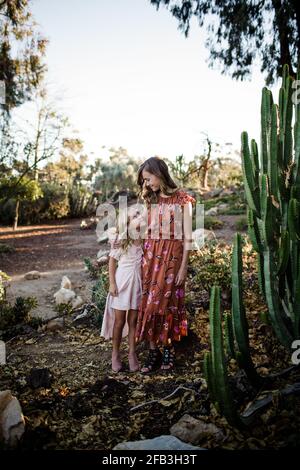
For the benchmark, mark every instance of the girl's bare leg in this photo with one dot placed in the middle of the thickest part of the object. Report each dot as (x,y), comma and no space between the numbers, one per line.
(120,317)
(132,358)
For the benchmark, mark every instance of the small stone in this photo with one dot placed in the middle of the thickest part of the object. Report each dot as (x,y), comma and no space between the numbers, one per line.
(212,212)
(192,430)
(66,283)
(55,325)
(32,275)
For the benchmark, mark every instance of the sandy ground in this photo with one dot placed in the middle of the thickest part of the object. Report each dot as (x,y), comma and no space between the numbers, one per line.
(55,250)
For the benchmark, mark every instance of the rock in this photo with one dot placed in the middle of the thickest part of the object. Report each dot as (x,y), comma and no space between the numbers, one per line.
(2,353)
(213,211)
(200,236)
(102,253)
(81,316)
(102,260)
(39,378)
(158,443)
(55,325)
(5,398)
(223,207)
(216,192)
(192,430)
(12,423)
(77,302)
(209,235)
(64,296)
(32,275)
(103,238)
(66,283)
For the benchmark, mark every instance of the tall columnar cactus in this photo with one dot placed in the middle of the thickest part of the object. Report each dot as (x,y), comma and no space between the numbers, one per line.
(215,368)
(239,321)
(272,188)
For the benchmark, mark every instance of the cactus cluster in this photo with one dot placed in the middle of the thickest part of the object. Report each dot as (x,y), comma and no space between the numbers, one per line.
(236,343)
(272,189)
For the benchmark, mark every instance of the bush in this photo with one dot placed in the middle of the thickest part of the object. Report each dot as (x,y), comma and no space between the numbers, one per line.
(6,248)
(241,224)
(13,317)
(211,265)
(99,293)
(212,223)
(3,280)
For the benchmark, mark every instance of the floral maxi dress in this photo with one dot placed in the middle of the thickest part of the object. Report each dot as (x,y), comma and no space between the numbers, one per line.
(162,316)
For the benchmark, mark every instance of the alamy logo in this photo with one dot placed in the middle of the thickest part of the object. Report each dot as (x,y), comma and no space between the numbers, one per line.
(2,92)
(296,354)
(136,221)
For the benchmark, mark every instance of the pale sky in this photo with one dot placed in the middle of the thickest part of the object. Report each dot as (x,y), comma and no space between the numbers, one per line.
(128,77)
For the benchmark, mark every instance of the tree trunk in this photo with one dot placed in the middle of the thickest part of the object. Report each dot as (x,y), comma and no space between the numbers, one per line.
(204,181)
(16,214)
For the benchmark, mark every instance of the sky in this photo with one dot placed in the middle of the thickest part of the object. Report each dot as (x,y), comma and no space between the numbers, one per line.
(126,76)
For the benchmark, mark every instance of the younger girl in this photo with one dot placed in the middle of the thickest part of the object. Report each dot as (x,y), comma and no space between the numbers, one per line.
(125,287)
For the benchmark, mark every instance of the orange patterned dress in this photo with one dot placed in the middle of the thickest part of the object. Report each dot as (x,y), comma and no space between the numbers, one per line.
(162,316)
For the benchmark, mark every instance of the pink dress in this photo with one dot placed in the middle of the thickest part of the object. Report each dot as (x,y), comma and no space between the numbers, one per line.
(129,285)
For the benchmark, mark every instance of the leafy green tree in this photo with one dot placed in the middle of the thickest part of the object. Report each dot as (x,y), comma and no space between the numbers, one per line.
(117,173)
(241,31)
(24,190)
(22,49)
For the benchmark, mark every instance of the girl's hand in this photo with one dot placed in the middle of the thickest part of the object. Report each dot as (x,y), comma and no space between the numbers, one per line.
(113,290)
(181,276)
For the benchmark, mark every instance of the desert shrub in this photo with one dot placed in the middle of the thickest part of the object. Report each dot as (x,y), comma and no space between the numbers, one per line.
(211,265)
(212,223)
(241,224)
(6,248)
(99,294)
(3,280)
(14,317)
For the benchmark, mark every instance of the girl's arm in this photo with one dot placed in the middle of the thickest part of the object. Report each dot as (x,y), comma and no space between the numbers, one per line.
(112,266)
(187,241)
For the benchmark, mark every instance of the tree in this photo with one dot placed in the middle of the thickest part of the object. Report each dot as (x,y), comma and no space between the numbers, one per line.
(117,173)
(21,53)
(240,31)
(45,132)
(70,168)
(24,190)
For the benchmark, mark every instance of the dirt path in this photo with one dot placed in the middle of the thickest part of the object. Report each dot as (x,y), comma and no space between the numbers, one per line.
(55,250)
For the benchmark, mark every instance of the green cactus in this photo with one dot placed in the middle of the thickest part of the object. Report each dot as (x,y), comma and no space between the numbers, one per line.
(240,325)
(272,189)
(216,372)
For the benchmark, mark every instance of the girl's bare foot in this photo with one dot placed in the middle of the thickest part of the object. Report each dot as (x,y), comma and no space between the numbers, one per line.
(134,365)
(116,363)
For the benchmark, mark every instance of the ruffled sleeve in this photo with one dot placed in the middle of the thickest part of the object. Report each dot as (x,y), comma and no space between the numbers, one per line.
(185,198)
(115,253)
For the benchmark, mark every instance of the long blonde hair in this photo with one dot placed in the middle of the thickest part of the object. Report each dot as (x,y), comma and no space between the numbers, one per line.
(126,242)
(156,166)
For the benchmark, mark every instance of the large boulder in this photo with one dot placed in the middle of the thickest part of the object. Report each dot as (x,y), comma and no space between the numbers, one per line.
(12,423)
(64,296)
